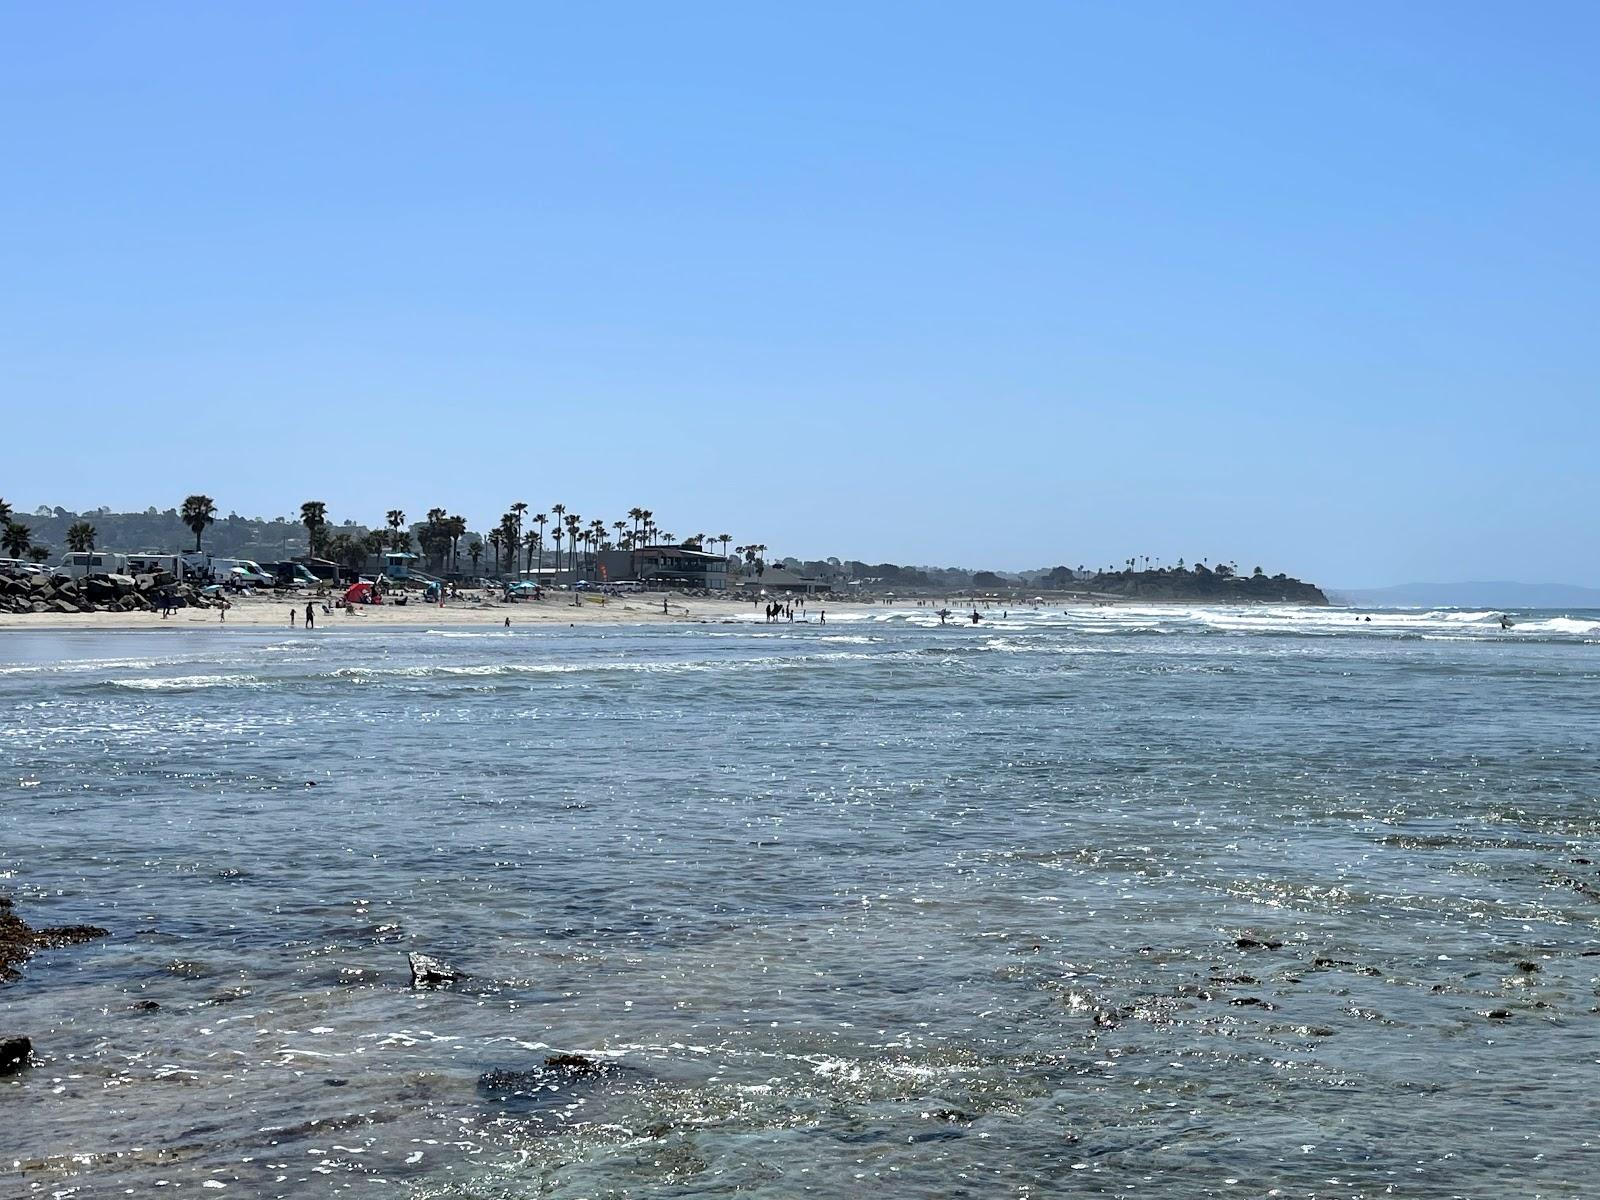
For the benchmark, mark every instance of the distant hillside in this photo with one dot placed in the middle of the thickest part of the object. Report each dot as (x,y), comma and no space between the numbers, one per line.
(1481,594)
(232,536)
(1199,584)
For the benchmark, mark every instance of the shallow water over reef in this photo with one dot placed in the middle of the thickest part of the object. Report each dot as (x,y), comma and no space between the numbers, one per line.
(1135,902)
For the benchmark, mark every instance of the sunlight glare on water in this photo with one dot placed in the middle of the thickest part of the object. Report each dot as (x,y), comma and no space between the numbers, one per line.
(1141,901)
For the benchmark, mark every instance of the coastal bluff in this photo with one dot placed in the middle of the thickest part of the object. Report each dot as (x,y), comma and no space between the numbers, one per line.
(1203,586)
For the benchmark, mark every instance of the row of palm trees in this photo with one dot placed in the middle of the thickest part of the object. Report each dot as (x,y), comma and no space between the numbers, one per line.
(439,537)
(519,541)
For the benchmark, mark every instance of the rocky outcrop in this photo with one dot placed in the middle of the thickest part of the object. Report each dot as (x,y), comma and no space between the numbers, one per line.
(21,593)
(429,972)
(16,1052)
(18,940)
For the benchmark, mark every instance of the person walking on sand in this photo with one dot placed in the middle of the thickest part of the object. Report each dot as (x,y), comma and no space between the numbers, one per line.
(291,616)
(311,615)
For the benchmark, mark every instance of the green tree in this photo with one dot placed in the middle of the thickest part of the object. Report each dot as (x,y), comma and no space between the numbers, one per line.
(455,529)
(16,537)
(80,536)
(573,522)
(38,553)
(314,516)
(475,553)
(198,512)
(373,546)
(396,519)
(539,519)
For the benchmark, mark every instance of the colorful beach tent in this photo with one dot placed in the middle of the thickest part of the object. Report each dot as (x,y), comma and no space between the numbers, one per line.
(362,593)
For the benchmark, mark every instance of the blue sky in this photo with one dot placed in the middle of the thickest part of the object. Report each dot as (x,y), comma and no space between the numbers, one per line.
(999,285)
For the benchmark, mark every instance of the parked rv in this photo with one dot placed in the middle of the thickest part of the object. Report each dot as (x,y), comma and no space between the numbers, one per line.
(291,574)
(239,570)
(78,563)
(150,562)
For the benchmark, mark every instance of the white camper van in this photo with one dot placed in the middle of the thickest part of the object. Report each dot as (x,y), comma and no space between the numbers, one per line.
(79,563)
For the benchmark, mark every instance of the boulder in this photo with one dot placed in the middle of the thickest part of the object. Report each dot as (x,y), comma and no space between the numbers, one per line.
(16,1052)
(429,972)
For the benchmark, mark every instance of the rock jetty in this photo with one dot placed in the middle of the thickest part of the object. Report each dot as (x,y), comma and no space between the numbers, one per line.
(39,593)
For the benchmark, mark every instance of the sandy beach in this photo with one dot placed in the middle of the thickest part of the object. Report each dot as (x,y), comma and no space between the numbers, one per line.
(474,609)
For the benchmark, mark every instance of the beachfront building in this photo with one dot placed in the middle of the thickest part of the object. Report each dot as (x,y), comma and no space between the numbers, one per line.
(665,566)
(781,580)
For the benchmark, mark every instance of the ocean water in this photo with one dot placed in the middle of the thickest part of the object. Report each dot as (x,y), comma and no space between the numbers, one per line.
(1144,902)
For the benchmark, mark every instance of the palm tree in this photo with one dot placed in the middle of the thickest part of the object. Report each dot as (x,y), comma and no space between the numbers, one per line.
(649,519)
(198,512)
(539,519)
(435,539)
(372,546)
(396,519)
(636,515)
(475,552)
(455,529)
(556,535)
(573,523)
(724,538)
(621,527)
(5,511)
(16,538)
(510,540)
(494,542)
(517,510)
(314,516)
(530,542)
(80,536)
(38,552)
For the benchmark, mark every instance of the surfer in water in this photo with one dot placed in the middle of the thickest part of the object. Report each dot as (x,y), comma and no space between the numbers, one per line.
(1505,622)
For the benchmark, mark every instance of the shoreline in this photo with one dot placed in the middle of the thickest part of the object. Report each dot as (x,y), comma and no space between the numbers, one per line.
(272,612)
(260,612)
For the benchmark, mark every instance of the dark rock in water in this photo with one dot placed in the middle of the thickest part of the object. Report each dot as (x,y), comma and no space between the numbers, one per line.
(145,1006)
(16,1052)
(1527,967)
(429,972)
(1250,1002)
(573,1066)
(1498,1014)
(1248,943)
(554,1091)
(18,940)
(68,935)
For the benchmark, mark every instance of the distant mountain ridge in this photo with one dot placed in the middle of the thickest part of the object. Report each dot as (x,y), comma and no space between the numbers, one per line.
(1476,594)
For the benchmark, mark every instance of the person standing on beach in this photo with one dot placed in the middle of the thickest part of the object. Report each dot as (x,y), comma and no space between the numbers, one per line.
(311,616)
(291,616)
